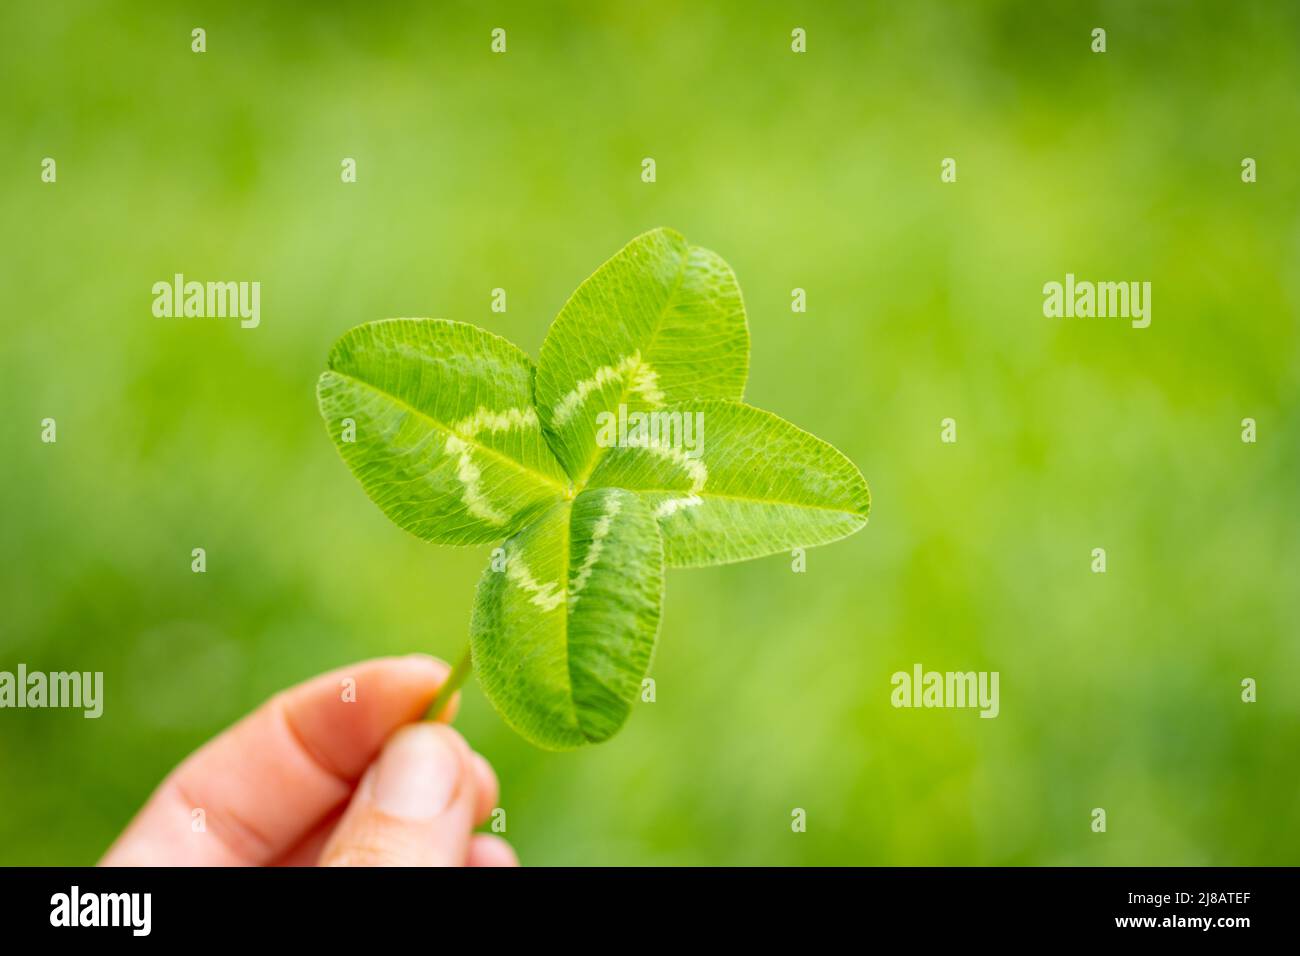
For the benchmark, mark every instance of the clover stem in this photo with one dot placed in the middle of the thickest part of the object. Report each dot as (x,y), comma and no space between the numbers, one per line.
(451,685)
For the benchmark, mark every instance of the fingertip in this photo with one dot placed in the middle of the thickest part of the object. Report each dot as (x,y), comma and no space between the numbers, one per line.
(438,669)
(447,732)
(346,715)
(489,789)
(421,772)
(469,781)
(488,849)
(414,806)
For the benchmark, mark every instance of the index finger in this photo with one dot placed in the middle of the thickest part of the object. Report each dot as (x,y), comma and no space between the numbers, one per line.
(252,793)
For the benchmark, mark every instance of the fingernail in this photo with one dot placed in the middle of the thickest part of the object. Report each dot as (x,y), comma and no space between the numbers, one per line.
(417,774)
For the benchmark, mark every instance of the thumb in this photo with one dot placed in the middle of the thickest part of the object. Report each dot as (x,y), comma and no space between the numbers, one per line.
(414,806)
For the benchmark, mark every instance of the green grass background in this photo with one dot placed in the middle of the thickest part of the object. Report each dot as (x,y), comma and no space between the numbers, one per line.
(819,171)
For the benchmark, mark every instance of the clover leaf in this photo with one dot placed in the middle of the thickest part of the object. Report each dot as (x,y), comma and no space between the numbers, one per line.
(628,448)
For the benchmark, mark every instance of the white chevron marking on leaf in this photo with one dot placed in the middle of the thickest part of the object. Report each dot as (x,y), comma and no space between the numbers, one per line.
(469,475)
(485,419)
(694,467)
(671,506)
(598,535)
(640,378)
(547,596)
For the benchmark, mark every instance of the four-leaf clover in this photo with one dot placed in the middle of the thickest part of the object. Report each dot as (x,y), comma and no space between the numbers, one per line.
(460,440)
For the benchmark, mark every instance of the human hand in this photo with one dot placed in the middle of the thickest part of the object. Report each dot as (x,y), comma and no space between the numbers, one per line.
(312,777)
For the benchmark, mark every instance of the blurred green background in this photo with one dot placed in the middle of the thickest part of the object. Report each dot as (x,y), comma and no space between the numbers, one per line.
(818,171)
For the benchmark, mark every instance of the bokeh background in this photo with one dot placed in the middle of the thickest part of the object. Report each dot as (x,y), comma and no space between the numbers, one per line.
(818,171)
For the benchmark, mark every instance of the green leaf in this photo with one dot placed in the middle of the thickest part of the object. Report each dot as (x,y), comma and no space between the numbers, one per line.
(565,620)
(447,441)
(760,485)
(661,322)
(459,440)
